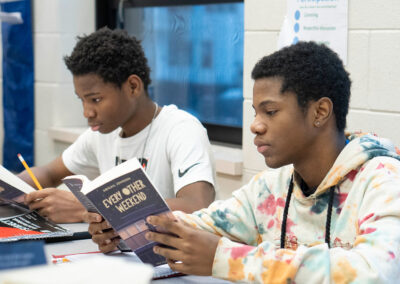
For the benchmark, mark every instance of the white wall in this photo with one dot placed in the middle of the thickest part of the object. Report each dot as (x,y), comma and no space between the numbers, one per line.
(56,25)
(373,64)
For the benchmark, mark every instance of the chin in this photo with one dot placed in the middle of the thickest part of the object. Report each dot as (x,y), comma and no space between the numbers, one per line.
(273,164)
(105,131)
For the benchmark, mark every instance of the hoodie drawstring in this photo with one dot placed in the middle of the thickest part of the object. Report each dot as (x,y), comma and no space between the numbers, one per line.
(328,215)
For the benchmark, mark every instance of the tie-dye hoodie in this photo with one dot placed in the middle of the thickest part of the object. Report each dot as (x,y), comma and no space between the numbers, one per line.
(364,231)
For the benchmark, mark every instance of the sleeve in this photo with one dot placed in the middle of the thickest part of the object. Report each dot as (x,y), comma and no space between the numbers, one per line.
(374,257)
(190,154)
(232,218)
(80,158)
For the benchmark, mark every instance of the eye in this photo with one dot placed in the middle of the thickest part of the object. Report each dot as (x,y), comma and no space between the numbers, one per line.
(271,112)
(96,100)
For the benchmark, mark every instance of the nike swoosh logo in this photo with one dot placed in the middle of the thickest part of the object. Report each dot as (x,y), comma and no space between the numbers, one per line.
(181,174)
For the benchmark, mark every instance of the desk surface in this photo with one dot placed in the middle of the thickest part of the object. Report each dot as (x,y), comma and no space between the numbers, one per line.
(79,246)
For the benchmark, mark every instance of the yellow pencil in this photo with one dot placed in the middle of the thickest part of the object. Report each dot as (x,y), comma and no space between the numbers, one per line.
(30,172)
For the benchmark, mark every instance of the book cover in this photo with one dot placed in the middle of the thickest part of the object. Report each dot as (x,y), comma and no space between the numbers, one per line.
(125,196)
(75,185)
(19,223)
(12,187)
(21,254)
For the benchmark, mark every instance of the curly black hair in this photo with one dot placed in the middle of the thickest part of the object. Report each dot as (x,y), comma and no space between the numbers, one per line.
(111,54)
(311,71)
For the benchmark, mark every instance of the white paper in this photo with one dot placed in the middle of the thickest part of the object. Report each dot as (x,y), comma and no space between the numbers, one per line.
(322,21)
(13,180)
(159,271)
(99,270)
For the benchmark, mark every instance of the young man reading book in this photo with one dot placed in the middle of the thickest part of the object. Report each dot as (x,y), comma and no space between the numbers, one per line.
(329,209)
(111,76)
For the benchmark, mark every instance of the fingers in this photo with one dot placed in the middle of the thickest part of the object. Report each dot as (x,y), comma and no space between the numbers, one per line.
(91,217)
(41,203)
(42,212)
(177,266)
(170,253)
(96,228)
(109,245)
(35,205)
(170,225)
(164,239)
(60,206)
(107,241)
(104,238)
(193,249)
(39,194)
(32,196)
(44,207)
(39,198)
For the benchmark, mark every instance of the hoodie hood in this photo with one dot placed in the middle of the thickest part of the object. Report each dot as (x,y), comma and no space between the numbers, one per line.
(361,147)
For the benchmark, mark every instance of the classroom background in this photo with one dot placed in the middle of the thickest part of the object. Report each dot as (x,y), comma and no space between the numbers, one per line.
(373,63)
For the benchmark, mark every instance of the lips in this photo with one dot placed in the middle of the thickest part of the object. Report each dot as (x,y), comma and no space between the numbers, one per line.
(94,127)
(262,147)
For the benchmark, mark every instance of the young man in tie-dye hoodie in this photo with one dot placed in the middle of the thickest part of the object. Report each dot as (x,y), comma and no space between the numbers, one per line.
(327,210)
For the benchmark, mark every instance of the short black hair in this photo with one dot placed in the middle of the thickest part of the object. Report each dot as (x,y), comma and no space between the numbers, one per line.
(311,71)
(111,54)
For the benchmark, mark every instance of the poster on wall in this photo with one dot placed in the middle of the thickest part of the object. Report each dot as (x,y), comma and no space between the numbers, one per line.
(322,21)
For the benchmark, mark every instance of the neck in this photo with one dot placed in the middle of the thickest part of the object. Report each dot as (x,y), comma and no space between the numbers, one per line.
(320,159)
(143,115)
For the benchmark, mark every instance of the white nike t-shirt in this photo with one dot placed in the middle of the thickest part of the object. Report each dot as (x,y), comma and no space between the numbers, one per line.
(177,151)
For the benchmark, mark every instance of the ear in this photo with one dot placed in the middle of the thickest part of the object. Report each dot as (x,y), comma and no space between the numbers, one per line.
(135,85)
(322,111)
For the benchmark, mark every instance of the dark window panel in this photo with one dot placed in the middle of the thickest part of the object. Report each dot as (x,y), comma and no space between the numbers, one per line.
(195,52)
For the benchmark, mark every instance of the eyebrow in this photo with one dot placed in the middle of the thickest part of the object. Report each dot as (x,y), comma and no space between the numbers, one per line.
(265,103)
(89,94)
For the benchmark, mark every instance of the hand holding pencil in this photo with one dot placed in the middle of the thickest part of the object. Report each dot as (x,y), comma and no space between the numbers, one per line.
(30,172)
(59,206)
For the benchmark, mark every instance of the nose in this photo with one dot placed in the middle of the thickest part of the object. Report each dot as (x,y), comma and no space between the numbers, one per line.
(257,127)
(88,111)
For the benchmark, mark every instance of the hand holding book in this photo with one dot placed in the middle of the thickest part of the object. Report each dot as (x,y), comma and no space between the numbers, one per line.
(16,220)
(103,234)
(188,250)
(124,196)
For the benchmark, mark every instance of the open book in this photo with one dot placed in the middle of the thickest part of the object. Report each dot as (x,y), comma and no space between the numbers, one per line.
(125,197)
(17,222)
(12,187)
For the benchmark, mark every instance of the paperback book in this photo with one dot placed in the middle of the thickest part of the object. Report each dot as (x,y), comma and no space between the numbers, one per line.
(125,197)
(12,187)
(17,222)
